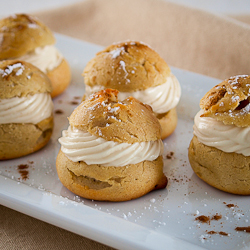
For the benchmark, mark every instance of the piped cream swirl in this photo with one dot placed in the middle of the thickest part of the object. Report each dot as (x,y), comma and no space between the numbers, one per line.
(30,109)
(45,58)
(227,138)
(79,145)
(161,98)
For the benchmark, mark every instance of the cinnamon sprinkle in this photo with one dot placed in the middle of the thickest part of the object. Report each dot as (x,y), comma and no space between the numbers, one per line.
(223,233)
(74,103)
(230,205)
(207,219)
(211,232)
(244,229)
(58,111)
(170,155)
(217,217)
(22,169)
(203,219)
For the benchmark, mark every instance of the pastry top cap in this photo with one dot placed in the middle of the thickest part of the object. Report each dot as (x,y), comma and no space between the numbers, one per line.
(229,101)
(126,66)
(127,121)
(19,78)
(22,33)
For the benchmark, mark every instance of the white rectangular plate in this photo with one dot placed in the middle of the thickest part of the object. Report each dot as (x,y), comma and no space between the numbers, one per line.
(163,219)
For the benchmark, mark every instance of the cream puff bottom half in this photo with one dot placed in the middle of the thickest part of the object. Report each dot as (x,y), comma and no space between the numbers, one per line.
(168,122)
(60,78)
(20,139)
(110,183)
(229,172)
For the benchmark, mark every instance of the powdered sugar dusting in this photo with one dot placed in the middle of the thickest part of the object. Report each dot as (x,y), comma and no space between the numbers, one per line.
(10,68)
(33,25)
(123,65)
(245,110)
(235,98)
(115,109)
(234,80)
(117,52)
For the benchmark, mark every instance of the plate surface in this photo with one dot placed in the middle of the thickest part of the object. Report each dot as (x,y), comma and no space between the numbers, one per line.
(160,219)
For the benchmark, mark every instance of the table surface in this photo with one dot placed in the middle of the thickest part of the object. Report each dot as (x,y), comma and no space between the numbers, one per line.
(231,7)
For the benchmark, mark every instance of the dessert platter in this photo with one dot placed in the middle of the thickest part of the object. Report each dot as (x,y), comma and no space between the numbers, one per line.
(186,214)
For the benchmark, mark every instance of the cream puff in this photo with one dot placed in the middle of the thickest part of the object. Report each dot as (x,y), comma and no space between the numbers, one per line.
(219,152)
(112,149)
(135,69)
(25,38)
(26,109)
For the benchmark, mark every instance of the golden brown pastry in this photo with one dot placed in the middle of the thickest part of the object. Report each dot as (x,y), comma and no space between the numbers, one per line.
(136,70)
(219,152)
(25,38)
(26,109)
(112,149)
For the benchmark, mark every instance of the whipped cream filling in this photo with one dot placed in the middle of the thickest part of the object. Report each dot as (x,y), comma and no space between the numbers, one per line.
(79,145)
(161,98)
(227,138)
(30,109)
(45,58)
